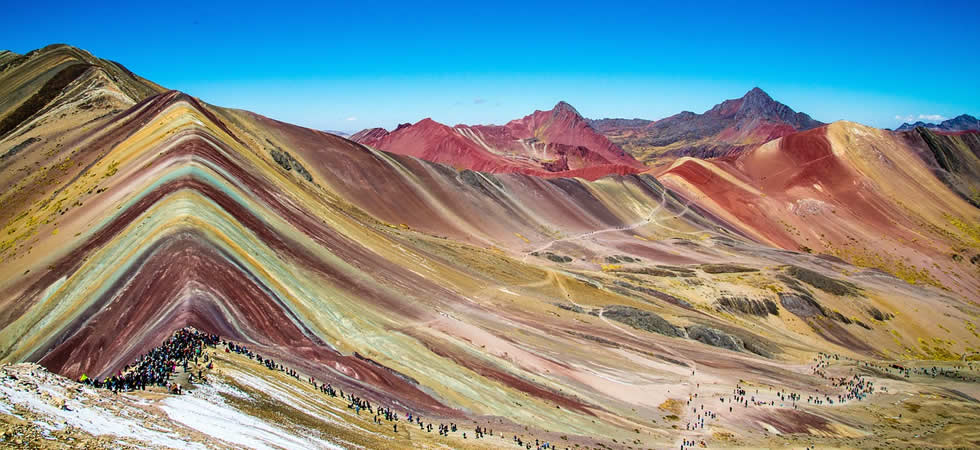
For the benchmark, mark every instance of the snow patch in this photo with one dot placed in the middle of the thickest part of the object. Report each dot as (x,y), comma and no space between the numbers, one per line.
(92,419)
(205,410)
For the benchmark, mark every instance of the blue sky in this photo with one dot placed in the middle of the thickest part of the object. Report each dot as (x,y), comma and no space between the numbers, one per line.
(353,65)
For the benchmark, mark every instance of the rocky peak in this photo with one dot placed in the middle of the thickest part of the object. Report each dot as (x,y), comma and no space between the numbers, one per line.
(563,107)
(757,99)
(757,104)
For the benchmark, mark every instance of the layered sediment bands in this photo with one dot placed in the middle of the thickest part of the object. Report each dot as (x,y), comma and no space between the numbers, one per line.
(748,306)
(844,190)
(196,227)
(191,177)
(404,190)
(801,304)
(181,279)
(184,280)
(510,380)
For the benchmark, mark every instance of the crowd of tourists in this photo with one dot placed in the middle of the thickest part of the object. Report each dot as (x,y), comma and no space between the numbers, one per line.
(185,347)
(157,366)
(382,415)
(854,387)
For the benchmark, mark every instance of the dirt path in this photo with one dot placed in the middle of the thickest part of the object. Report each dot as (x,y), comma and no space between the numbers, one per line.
(633,226)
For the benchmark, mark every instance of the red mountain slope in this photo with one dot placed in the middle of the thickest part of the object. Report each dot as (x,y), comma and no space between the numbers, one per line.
(858,193)
(551,143)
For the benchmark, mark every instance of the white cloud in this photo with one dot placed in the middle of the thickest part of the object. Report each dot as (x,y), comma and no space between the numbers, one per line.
(479,101)
(923,117)
(351,118)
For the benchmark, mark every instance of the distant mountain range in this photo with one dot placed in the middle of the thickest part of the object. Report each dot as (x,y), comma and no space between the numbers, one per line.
(963,122)
(729,127)
(560,142)
(557,142)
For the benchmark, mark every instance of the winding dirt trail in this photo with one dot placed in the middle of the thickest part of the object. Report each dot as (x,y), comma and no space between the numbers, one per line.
(649,219)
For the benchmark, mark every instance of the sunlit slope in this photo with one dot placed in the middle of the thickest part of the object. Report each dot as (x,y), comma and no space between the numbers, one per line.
(847,190)
(953,157)
(505,210)
(29,82)
(195,228)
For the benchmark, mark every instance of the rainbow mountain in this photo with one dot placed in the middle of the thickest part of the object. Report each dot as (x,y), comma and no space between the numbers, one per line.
(575,311)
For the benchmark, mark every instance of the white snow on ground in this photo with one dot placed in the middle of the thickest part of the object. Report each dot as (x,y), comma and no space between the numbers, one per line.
(205,410)
(294,399)
(6,408)
(93,419)
(144,422)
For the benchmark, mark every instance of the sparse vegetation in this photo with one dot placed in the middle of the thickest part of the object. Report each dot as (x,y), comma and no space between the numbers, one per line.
(970,229)
(616,259)
(876,314)
(287,162)
(557,258)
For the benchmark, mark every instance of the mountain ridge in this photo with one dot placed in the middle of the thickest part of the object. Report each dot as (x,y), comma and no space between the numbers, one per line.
(962,122)
(729,127)
(555,142)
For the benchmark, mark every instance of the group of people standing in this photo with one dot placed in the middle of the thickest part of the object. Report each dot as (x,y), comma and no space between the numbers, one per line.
(186,346)
(157,366)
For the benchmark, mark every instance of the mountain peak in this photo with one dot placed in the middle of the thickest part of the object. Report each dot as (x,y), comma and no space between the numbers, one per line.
(759,100)
(563,106)
(756,92)
(426,125)
(728,127)
(757,104)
